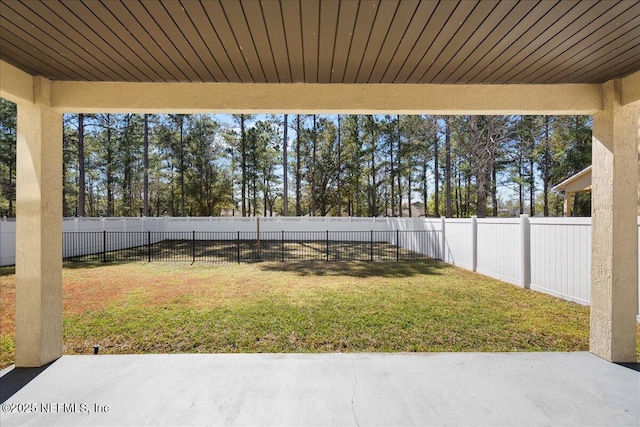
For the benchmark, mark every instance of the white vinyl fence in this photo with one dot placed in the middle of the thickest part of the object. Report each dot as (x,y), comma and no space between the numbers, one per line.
(7,242)
(561,257)
(77,242)
(458,249)
(499,248)
(551,255)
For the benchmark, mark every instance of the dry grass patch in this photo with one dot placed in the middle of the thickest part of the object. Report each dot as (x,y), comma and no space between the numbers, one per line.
(7,316)
(300,307)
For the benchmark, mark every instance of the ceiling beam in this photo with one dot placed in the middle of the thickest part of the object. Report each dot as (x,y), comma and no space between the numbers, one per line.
(15,84)
(631,89)
(88,97)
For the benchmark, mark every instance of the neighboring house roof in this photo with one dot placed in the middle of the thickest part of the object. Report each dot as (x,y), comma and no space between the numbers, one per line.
(580,182)
(416,210)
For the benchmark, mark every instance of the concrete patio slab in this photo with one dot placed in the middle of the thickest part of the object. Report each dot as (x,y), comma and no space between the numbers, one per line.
(359,389)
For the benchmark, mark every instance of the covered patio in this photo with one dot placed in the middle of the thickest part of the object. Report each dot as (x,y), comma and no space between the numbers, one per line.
(360,56)
(575,184)
(569,389)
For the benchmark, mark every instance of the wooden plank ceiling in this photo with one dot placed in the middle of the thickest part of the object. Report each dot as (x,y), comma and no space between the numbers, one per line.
(323,41)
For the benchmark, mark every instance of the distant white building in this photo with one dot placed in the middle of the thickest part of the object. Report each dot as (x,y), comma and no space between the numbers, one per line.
(580,183)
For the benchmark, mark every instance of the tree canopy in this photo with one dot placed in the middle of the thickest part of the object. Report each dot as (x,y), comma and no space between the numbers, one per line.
(383,165)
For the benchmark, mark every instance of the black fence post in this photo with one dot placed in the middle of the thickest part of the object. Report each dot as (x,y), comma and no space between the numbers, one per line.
(371,247)
(193,246)
(258,239)
(397,245)
(327,245)
(238,246)
(104,245)
(282,241)
(149,246)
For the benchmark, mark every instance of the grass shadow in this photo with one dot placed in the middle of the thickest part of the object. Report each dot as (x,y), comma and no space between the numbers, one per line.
(8,270)
(359,268)
(75,265)
(72,265)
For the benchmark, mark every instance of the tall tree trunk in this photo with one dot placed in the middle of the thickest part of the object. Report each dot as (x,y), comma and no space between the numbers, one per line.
(356,202)
(436,176)
(487,186)
(458,194)
(481,174)
(392,176)
(265,191)
(255,195)
(545,175)
(81,167)
(182,166)
(374,199)
(243,166)
(65,207)
(373,210)
(339,167)
(447,171)
(481,208)
(109,171)
(494,189)
(298,168)
(425,193)
(126,181)
(11,194)
(467,197)
(91,211)
(313,167)
(520,179)
(532,188)
(370,190)
(399,158)
(409,192)
(285,167)
(145,160)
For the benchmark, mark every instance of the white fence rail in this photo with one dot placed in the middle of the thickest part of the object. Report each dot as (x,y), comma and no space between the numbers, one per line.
(551,255)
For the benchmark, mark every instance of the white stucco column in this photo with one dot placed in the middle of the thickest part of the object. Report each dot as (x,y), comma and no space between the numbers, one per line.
(39,230)
(614,251)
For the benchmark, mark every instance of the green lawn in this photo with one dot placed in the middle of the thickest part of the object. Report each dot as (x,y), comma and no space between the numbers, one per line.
(300,307)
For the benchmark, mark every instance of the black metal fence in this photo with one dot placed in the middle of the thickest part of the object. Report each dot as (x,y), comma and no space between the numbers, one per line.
(198,246)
